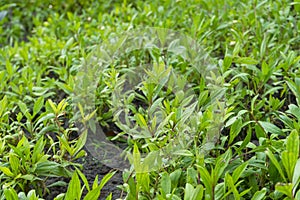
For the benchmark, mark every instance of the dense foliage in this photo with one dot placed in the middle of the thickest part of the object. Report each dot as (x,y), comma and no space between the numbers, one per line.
(255,46)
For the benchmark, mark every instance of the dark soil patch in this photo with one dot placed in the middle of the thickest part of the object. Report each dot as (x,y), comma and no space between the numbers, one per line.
(91,168)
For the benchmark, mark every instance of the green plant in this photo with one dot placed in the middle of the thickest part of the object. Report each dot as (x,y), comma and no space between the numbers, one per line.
(26,166)
(288,167)
(11,194)
(175,149)
(75,189)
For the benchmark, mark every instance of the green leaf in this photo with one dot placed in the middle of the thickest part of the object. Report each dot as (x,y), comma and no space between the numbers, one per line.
(203,96)
(236,49)
(198,192)
(294,86)
(230,183)
(109,197)
(140,120)
(62,105)
(259,131)
(235,130)
(51,168)
(58,184)
(183,152)
(93,194)
(296,175)
(29,177)
(80,142)
(9,68)
(89,116)
(60,196)
(37,150)
(276,163)
(95,183)
(174,176)
(293,143)
(263,48)
(295,110)
(106,178)
(271,128)
(227,62)
(3,14)
(246,60)
(221,163)
(165,184)
(133,190)
(10,194)
(156,104)
(285,188)
(46,117)
(259,194)
(206,179)
(52,105)
(8,5)
(47,129)
(38,105)
(143,180)
(245,191)
(80,154)
(246,140)
(32,195)
(24,110)
(290,156)
(81,110)
(3,105)
(191,176)
(239,171)
(14,163)
(153,161)
(137,159)
(84,180)
(188,191)
(6,171)
(69,43)
(289,161)
(65,144)
(74,188)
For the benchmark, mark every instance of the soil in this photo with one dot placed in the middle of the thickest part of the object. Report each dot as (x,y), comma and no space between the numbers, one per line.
(92,167)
